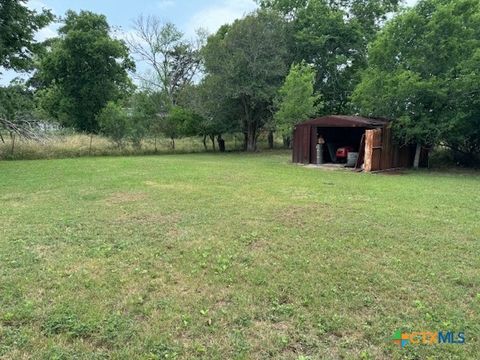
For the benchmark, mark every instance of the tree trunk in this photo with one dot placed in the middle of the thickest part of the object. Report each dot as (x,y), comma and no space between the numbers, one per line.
(251,125)
(287,142)
(212,138)
(416,161)
(251,137)
(12,136)
(270,140)
(221,143)
(205,142)
(173,144)
(156,149)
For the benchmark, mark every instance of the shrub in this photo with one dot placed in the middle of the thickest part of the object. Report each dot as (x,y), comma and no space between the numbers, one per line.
(114,123)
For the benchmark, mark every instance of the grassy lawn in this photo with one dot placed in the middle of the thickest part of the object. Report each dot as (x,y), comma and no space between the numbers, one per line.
(233,256)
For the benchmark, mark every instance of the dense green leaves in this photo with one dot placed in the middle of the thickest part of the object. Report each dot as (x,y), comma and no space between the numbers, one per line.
(114,123)
(175,123)
(333,36)
(18,25)
(84,70)
(15,100)
(247,63)
(423,71)
(296,101)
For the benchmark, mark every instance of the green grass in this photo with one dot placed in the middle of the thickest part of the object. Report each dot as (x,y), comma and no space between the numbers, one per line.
(233,256)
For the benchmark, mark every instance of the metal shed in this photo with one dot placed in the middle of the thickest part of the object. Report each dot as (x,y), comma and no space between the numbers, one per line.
(370,137)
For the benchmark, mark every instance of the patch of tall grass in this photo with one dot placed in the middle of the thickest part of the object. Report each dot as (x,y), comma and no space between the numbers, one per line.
(66,145)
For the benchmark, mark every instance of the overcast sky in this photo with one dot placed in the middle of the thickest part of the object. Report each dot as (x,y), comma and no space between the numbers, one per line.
(188,15)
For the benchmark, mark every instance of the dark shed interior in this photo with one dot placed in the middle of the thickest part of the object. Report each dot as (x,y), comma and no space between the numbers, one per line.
(337,130)
(371,138)
(339,137)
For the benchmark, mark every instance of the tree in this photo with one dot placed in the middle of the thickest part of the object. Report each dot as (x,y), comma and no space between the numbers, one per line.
(333,35)
(174,61)
(247,62)
(18,25)
(463,134)
(296,99)
(173,124)
(84,70)
(17,113)
(214,114)
(15,99)
(422,73)
(147,108)
(114,123)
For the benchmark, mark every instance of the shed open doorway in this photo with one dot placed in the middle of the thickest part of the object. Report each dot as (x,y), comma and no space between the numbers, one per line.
(370,138)
(339,138)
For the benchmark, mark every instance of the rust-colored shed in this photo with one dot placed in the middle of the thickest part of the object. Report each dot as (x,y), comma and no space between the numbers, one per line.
(370,137)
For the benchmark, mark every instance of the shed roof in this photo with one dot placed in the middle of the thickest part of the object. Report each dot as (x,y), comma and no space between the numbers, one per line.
(346,121)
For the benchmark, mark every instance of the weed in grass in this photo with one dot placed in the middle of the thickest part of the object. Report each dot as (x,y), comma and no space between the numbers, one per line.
(65,321)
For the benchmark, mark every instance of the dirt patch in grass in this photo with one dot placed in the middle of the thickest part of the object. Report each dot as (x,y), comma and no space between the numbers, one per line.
(148,218)
(300,216)
(183,187)
(124,197)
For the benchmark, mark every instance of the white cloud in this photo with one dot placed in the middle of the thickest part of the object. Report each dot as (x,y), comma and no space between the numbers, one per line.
(162,4)
(36,5)
(47,33)
(211,18)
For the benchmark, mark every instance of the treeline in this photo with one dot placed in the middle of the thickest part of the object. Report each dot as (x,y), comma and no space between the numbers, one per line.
(286,62)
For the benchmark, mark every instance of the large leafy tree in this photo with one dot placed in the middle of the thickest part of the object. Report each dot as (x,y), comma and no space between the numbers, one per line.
(297,100)
(247,63)
(215,114)
(84,70)
(423,72)
(18,25)
(146,108)
(333,36)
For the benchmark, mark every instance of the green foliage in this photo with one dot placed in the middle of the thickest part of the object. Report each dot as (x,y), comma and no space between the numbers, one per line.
(423,71)
(212,113)
(333,36)
(17,110)
(147,110)
(179,122)
(192,123)
(84,70)
(114,123)
(296,100)
(15,100)
(18,25)
(246,63)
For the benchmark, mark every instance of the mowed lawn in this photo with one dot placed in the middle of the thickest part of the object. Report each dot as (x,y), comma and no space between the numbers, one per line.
(233,256)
